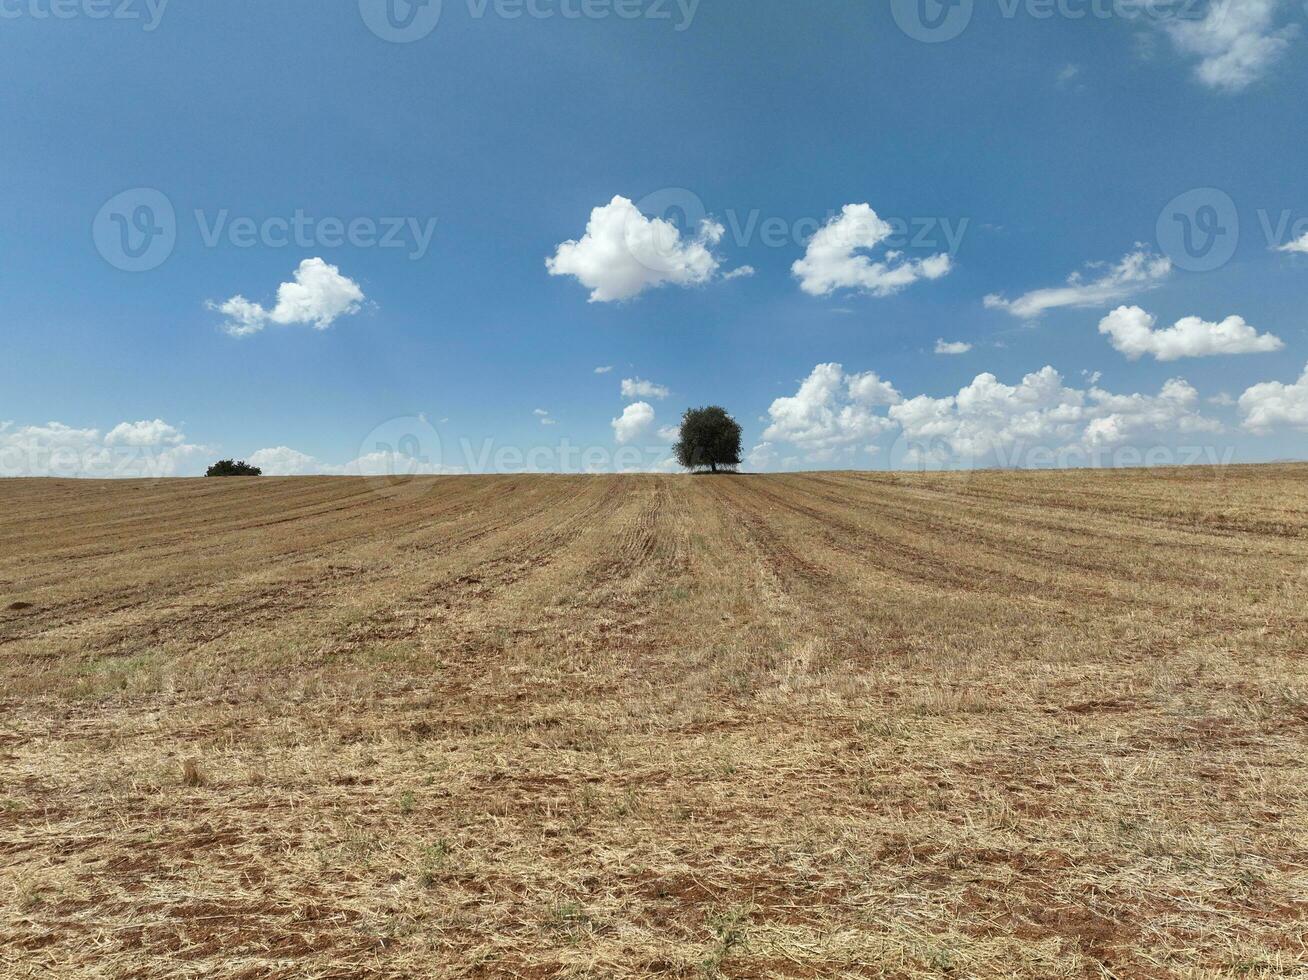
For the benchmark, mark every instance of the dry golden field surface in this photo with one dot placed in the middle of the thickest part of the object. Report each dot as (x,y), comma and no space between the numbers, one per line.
(820,725)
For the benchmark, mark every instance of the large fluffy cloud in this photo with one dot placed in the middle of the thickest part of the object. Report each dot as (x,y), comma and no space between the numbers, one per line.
(318,296)
(1133,332)
(1136,272)
(834,260)
(987,422)
(1271,404)
(831,413)
(1236,42)
(634,422)
(145,449)
(623,253)
(991,422)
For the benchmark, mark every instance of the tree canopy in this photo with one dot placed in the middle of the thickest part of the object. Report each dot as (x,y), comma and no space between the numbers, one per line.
(231,467)
(710,440)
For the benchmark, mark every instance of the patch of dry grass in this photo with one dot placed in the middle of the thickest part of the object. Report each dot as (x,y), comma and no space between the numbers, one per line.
(1046,725)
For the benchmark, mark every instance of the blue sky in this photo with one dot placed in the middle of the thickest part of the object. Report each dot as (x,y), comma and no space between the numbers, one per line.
(1026,149)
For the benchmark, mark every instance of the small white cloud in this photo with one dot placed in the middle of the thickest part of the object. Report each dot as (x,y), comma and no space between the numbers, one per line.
(834,261)
(743,272)
(761,457)
(623,253)
(318,297)
(1068,74)
(1270,404)
(1298,245)
(635,420)
(604,370)
(544,416)
(1132,332)
(670,433)
(949,347)
(1136,272)
(636,388)
(1222,400)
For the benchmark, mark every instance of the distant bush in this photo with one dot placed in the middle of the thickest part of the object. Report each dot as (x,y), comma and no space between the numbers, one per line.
(230,467)
(710,440)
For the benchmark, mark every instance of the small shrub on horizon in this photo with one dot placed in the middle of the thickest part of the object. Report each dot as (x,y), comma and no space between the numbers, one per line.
(232,467)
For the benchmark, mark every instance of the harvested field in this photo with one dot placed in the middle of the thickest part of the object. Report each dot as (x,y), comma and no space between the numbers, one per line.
(821,725)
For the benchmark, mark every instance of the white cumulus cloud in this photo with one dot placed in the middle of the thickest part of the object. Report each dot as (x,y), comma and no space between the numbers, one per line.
(832,413)
(284,461)
(990,422)
(1299,244)
(1136,272)
(636,388)
(834,258)
(986,423)
(318,296)
(623,253)
(145,449)
(948,347)
(1133,332)
(156,433)
(1272,403)
(634,421)
(1236,42)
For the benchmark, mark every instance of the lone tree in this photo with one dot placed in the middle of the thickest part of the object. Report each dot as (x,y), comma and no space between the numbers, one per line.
(230,467)
(710,439)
